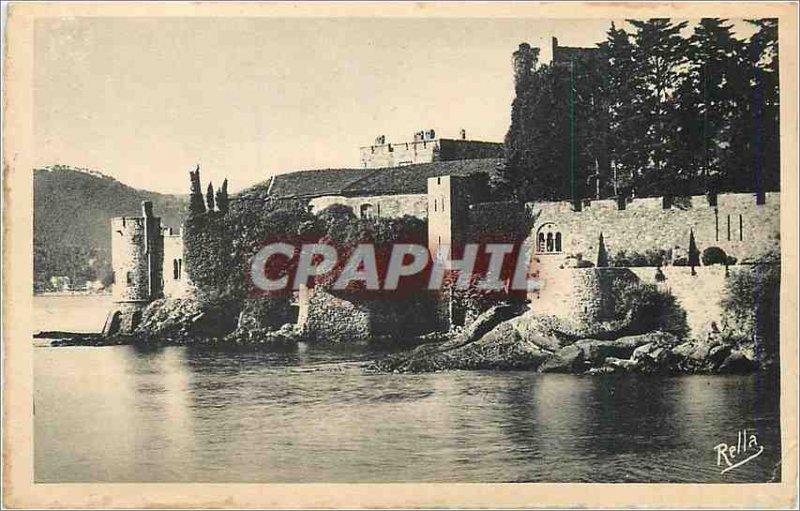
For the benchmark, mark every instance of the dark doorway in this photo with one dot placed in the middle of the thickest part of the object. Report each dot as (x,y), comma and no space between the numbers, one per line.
(113,324)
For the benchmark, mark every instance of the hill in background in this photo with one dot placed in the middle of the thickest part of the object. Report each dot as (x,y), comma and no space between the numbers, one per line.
(71,222)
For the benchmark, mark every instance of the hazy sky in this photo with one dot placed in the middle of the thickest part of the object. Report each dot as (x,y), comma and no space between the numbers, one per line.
(145,99)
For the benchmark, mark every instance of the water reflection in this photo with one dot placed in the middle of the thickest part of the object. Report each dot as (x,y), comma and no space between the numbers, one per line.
(174,414)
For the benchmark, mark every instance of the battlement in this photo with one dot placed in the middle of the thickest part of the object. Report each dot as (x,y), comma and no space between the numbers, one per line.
(738,223)
(426,148)
(694,202)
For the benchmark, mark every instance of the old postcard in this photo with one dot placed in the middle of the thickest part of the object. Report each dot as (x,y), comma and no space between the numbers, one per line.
(326,255)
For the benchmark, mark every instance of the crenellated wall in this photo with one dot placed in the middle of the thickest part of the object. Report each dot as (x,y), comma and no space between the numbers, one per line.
(737,225)
(427,151)
(397,155)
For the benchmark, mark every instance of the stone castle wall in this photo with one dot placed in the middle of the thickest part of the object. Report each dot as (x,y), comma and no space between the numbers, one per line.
(176,280)
(384,206)
(584,294)
(593,299)
(395,155)
(737,225)
(137,256)
(448,205)
(699,295)
(427,151)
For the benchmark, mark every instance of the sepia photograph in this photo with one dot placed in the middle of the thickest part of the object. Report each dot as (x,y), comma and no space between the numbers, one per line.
(443,247)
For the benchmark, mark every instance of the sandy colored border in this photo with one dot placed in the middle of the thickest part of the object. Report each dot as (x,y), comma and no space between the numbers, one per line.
(19,490)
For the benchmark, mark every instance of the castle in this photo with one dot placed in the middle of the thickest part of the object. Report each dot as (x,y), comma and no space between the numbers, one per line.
(444,181)
(148,259)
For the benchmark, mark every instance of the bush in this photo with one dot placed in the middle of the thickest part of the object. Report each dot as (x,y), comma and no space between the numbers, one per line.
(751,306)
(635,259)
(346,232)
(218,246)
(474,301)
(648,308)
(714,255)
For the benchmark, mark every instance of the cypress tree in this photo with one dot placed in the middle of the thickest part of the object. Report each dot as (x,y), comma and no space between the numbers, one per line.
(602,253)
(694,254)
(222,197)
(210,197)
(196,204)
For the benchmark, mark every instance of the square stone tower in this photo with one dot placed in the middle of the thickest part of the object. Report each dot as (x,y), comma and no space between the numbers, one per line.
(448,204)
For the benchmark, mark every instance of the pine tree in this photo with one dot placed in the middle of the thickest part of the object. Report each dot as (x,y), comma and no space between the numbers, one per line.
(222,197)
(707,105)
(659,53)
(196,204)
(210,197)
(763,49)
(753,159)
(513,178)
(625,136)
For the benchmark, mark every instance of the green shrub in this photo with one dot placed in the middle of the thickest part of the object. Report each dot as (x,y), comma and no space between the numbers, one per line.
(714,255)
(681,261)
(345,231)
(218,246)
(751,306)
(636,259)
(648,308)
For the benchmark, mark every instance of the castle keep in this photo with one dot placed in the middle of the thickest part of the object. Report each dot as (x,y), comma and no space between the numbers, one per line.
(426,148)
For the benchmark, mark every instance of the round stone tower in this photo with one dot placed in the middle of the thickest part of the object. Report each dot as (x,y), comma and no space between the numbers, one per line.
(137,256)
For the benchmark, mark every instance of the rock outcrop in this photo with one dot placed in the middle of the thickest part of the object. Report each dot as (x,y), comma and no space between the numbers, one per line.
(187,321)
(530,342)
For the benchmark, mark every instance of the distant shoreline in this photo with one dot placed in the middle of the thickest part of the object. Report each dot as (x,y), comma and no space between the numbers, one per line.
(70,293)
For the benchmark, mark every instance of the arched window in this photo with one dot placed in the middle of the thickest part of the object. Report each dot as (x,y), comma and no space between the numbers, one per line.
(366,210)
(176,270)
(129,278)
(549,239)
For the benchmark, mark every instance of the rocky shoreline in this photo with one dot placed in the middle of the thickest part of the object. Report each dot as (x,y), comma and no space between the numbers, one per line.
(506,337)
(529,342)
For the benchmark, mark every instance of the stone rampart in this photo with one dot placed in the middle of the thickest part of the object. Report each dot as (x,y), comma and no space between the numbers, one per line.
(736,224)
(382,206)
